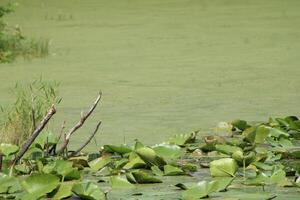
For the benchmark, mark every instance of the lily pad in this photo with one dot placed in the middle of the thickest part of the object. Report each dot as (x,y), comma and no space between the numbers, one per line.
(38,185)
(201,190)
(89,191)
(118,182)
(122,149)
(223,167)
(135,163)
(168,151)
(149,156)
(182,139)
(227,149)
(64,190)
(143,177)
(99,163)
(172,170)
(9,184)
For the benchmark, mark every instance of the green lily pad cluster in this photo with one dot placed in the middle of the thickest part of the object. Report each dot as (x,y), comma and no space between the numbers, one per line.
(260,155)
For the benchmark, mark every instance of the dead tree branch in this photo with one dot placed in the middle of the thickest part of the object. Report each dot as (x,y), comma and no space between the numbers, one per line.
(79,124)
(87,141)
(35,133)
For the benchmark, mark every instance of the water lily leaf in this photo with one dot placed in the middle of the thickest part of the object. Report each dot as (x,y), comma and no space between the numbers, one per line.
(122,149)
(135,163)
(201,190)
(44,138)
(79,161)
(283,123)
(119,164)
(157,171)
(172,170)
(262,132)
(138,144)
(64,190)
(99,163)
(144,177)
(294,153)
(227,149)
(89,191)
(9,184)
(8,149)
(38,185)
(168,151)
(260,179)
(240,157)
(275,132)
(22,168)
(63,167)
(223,183)
(149,156)
(286,143)
(240,124)
(189,167)
(250,134)
(118,182)
(181,186)
(263,166)
(130,178)
(182,139)
(278,176)
(223,167)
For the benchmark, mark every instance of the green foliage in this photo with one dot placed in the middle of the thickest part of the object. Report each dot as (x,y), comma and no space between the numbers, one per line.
(13,43)
(88,191)
(32,102)
(267,161)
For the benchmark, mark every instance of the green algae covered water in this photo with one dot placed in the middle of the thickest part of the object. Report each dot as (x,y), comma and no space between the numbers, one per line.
(164,67)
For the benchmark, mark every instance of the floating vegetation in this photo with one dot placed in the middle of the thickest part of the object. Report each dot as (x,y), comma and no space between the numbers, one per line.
(250,157)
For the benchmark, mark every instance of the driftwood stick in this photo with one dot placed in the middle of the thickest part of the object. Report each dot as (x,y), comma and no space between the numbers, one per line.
(87,141)
(79,124)
(33,136)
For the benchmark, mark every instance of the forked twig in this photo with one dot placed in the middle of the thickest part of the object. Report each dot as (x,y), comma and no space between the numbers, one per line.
(87,141)
(79,124)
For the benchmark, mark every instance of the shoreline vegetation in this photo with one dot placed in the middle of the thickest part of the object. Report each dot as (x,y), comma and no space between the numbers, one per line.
(243,156)
(14,44)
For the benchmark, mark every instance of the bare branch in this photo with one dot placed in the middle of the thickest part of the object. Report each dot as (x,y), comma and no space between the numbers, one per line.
(35,133)
(79,124)
(87,141)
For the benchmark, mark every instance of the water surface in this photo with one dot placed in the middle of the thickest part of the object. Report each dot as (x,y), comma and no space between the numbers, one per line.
(164,67)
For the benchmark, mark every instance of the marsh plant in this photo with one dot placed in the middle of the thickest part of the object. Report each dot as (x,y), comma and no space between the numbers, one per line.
(32,102)
(13,43)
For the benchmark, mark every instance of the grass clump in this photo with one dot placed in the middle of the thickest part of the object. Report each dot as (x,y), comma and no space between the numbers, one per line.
(14,44)
(33,100)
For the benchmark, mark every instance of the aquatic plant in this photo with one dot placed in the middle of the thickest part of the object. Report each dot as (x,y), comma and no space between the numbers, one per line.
(267,152)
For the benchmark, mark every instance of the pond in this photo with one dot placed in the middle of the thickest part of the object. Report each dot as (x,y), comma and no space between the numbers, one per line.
(164,67)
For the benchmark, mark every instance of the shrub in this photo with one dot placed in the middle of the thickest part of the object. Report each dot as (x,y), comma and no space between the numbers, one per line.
(13,43)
